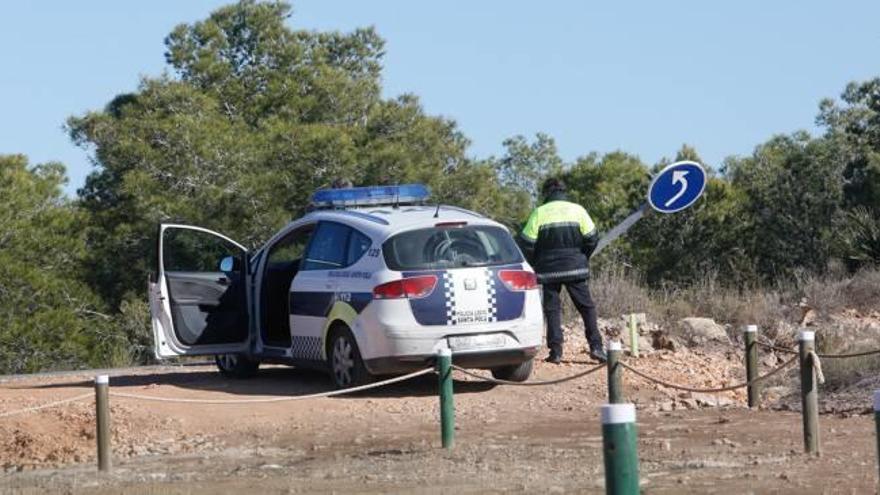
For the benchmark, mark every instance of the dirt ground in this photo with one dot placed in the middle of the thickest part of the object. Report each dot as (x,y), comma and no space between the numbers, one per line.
(509,439)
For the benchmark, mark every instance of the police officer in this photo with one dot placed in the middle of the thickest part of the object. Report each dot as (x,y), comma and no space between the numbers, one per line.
(558,240)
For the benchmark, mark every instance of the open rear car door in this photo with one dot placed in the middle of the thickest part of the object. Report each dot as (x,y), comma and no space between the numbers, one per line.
(199,298)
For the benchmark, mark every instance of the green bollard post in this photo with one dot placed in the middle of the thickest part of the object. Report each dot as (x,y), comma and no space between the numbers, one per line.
(877,423)
(809,392)
(633,335)
(620,449)
(615,389)
(447,405)
(754,390)
(102,420)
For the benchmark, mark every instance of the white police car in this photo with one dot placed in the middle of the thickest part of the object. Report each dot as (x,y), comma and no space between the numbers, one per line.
(372,282)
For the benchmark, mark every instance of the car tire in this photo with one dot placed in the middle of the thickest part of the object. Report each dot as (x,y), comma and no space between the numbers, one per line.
(515,372)
(344,360)
(236,365)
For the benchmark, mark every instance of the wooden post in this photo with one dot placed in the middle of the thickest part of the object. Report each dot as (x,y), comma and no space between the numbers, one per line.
(754,389)
(447,404)
(620,449)
(102,418)
(809,392)
(633,335)
(877,423)
(615,389)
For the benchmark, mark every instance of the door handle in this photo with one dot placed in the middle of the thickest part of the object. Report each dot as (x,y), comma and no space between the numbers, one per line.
(223,281)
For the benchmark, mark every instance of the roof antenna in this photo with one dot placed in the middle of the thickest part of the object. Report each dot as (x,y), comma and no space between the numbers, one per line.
(396,195)
(437,213)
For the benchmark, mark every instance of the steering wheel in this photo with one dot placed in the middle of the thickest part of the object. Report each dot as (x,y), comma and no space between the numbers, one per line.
(437,252)
(459,251)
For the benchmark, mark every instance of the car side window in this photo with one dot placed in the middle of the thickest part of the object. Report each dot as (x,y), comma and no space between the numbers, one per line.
(357,245)
(291,248)
(328,249)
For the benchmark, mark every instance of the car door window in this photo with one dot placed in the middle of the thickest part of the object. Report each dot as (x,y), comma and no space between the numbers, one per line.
(357,245)
(187,250)
(328,249)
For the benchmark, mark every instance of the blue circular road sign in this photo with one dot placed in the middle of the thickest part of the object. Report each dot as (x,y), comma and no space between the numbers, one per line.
(677,186)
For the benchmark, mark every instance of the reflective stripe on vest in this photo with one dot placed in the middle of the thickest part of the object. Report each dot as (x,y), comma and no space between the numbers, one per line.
(556,213)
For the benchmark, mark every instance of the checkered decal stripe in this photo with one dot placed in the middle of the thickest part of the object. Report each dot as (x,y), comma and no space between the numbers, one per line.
(482,297)
(306,347)
(449,296)
(493,297)
(452,318)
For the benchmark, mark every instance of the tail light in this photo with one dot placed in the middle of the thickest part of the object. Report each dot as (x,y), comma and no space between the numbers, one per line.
(406,288)
(518,280)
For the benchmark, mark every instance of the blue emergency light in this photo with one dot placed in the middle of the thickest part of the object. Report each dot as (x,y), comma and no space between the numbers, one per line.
(370,196)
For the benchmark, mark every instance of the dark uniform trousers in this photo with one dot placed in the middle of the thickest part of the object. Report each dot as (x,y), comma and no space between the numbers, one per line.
(579,292)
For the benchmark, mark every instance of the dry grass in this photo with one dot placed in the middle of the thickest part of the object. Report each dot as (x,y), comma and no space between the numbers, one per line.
(863,291)
(844,338)
(775,309)
(840,373)
(778,310)
(618,292)
(731,306)
(836,291)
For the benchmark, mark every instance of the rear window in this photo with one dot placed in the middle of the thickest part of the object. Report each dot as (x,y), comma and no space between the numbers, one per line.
(451,247)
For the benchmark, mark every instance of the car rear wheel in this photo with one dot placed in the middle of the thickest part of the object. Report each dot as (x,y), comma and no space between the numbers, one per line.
(236,365)
(346,366)
(514,373)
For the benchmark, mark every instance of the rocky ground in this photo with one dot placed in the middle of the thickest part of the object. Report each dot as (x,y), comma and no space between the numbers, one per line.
(524,439)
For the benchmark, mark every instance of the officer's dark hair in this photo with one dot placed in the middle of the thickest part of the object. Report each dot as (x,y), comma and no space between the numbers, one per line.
(552,185)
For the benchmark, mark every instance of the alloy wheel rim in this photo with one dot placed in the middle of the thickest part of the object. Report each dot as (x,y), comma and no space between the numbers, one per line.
(228,361)
(343,362)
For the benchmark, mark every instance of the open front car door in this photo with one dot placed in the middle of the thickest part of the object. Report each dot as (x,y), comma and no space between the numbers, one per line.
(199,297)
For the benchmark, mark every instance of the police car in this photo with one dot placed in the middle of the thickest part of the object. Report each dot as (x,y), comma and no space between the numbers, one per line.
(373,281)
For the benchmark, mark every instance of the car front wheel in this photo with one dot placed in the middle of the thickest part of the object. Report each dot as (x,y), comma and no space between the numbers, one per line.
(514,373)
(346,365)
(236,365)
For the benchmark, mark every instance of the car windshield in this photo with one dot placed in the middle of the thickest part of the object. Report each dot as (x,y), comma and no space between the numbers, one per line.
(450,247)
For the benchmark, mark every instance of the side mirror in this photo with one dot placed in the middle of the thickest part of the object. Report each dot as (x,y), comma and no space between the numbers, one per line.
(229,264)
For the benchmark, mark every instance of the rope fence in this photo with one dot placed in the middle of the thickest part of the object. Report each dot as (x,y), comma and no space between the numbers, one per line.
(319,395)
(533,383)
(776,348)
(849,355)
(45,406)
(817,366)
(709,390)
(819,354)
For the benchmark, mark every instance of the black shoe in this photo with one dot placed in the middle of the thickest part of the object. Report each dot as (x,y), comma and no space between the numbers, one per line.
(553,359)
(598,355)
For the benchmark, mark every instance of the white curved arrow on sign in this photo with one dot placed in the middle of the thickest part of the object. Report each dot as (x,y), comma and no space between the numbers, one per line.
(678,176)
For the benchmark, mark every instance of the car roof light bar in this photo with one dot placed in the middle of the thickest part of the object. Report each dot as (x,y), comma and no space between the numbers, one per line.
(370,196)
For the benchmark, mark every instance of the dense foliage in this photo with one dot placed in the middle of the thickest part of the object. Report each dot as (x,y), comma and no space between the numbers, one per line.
(253,116)
(51,319)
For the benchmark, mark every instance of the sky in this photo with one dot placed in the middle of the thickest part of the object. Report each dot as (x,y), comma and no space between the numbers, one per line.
(639,76)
